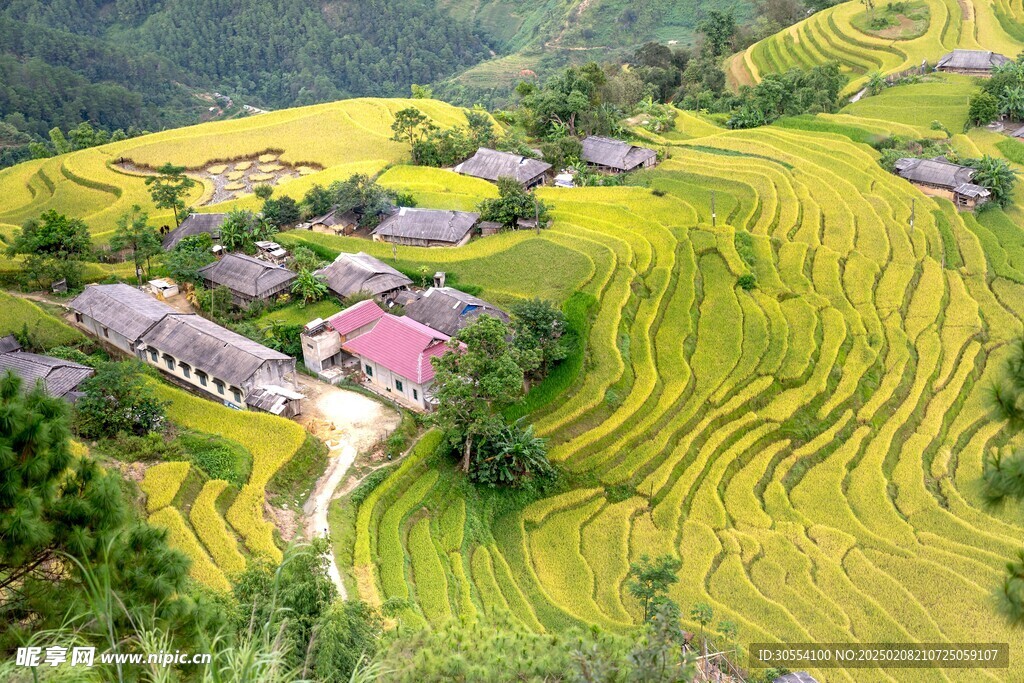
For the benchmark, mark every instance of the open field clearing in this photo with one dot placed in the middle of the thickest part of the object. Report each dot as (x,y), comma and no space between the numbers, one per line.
(833,34)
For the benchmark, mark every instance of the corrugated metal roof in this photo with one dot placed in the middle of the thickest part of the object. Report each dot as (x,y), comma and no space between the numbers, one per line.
(59,377)
(613,153)
(490,164)
(195,224)
(335,217)
(354,273)
(203,344)
(448,310)
(934,172)
(121,308)
(354,317)
(972,60)
(432,225)
(401,345)
(247,275)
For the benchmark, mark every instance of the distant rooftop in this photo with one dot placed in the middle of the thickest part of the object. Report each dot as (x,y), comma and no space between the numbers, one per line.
(491,164)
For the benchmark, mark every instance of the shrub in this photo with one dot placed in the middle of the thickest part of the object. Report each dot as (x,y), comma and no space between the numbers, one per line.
(747,281)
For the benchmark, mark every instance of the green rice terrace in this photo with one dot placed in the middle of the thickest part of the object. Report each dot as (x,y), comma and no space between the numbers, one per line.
(810,448)
(844,33)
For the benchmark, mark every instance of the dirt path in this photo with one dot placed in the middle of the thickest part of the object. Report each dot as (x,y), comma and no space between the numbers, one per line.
(349,423)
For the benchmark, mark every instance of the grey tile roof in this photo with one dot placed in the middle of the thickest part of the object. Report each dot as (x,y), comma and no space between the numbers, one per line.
(247,275)
(491,164)
(614,153)
(934,172)
(448,310)
(60,377)
(195,224)
(335,217)
(972,60)
(432,225)
(121,308)
(203,344)
(8,344)
(352,273)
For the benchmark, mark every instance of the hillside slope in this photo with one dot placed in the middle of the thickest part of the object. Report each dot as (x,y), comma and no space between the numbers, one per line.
(833,35)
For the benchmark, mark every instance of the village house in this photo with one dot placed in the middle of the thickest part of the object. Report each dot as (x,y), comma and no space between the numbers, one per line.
(939,178)
(335,222)
(60,377)
(248,278)
(449,310)
(224,365)
(490,164)
(190,350)
(971,62)
(322,339)
(395,357)
(427,227)
(195,224)
(351,274)
(615,156)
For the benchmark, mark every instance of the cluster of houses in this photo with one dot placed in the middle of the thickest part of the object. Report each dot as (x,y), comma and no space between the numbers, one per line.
(189,350)
(390,353)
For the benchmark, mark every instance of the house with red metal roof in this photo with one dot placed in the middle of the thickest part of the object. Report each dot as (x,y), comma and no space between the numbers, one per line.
(395,357)
(322,339)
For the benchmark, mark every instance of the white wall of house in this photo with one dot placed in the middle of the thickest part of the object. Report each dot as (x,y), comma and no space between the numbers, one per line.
(104,334)
(403,389)
(198,378)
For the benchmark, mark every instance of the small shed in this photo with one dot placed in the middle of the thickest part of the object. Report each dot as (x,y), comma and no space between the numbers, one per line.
(271,252)
(615,156)
(164,289)
(971,62)
(427,227)
(489,228)
(490,164)
(248,278)
(335,222)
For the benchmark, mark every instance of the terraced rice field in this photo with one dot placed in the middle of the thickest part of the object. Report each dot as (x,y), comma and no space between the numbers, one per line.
(830,35)
(352,136)
(811,449)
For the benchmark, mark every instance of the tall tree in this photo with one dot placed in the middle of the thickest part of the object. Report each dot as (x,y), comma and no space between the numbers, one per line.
(512,203)
(411,125)
(242,229)
(481,373)
(649,579)
(134,232)
(169,188)
(540,327)
(188,256)
(119,399)
(996,176)
(53,246)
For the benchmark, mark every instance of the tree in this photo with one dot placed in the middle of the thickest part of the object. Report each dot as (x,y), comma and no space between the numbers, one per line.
(188,256)
(983,109)
(289,600)
(119,398)
(411,125)
(304,258)
(540,328)
(263,191)
(361,194)
(513,203)
(53,246)
(718,29)
(995,175)
(421,92)
(281,212)
(703,615)
(511,457)
(241,230)
(348,631)
(65,530)
(1012,102)
(310,287)
(649,580)
(169,188)
(658,656)
(480,374)
(317,201)
(134,232)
